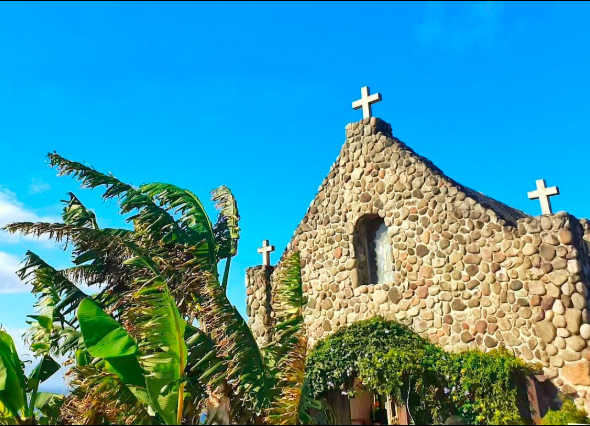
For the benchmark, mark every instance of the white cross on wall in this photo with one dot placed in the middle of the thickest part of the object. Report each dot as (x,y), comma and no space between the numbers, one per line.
(265,251)
(543,193)
(366,101)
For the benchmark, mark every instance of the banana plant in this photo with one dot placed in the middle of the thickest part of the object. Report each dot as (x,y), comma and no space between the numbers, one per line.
(152,367)
(20,399)
(182,348)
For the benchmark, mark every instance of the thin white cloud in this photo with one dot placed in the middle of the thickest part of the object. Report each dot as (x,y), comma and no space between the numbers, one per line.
(13,210)
(9,281)
(38,186)
(469,24)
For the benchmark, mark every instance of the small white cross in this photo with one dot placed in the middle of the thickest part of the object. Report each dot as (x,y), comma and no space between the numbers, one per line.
(366,101)
(543,193)
(265,251)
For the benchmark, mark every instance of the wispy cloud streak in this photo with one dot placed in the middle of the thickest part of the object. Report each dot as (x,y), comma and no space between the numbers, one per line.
(460,25)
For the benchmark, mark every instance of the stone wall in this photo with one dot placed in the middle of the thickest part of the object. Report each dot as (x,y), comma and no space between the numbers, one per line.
(258,302)
(469,272)
(558,294)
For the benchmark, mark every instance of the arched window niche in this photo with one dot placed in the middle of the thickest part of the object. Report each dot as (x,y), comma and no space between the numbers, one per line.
(374,249)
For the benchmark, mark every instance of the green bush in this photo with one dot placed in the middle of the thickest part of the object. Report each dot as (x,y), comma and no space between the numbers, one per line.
(390,359)
(568,414)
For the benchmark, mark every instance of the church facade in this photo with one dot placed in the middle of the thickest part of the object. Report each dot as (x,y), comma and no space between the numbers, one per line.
(388,234)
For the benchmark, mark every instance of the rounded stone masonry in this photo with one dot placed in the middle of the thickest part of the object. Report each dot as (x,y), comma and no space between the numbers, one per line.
(258,302)
(463,270)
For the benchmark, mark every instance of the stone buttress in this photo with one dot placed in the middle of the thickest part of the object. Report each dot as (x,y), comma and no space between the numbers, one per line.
(258,302)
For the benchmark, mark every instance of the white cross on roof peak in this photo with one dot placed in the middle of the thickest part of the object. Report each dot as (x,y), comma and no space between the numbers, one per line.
(543,193)
(366,101)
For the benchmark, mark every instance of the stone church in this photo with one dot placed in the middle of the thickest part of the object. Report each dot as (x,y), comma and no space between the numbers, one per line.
(389,234)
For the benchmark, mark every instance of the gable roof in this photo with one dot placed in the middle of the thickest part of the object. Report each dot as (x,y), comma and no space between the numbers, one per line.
(381,130)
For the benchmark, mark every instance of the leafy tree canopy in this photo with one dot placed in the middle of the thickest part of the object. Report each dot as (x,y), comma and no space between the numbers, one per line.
(392,360)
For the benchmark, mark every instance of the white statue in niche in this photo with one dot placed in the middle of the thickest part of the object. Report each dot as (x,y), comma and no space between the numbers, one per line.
(380,254)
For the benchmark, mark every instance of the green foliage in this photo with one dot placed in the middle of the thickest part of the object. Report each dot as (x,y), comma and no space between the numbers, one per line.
(160,330)
(153,370)
(392,360)
(75,213)
(245,366)
(489,387)
(20,401)
(48,405)
(104,336)
(12,378)
(568,414)
(101,398)
(193,219)
(50,329)
(287,353)
(226,229)
(159,322)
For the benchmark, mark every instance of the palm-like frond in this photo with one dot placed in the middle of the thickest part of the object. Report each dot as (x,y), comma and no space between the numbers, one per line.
(153,279)
(160,330)
(154,221)
(287,293)
(57,298)
(288,349)
(13,383)
(52,288)
(101,261)
(202,357)
(149,218)
(82,238)
(97,272)
(226,229)
(88,176)
(288,407)
(115,245)
(101,398)
(287,301)
(247,372)
(70,340)
(76,214)
(55,231)
(106,249)
(49,406)
(192,219)
(45,337)
(206,379)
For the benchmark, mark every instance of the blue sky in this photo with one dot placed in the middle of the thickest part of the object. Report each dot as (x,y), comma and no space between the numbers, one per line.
(256,96)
